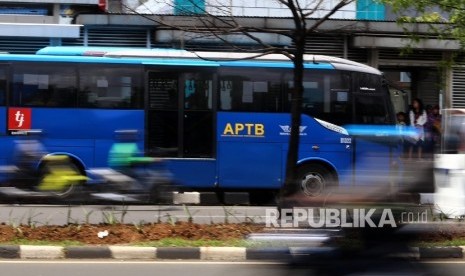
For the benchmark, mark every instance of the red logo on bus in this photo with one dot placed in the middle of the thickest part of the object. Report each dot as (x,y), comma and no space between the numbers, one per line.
(19,118)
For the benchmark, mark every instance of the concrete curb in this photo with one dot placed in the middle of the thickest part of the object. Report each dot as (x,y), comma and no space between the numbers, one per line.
(223,253)
(131,252)
(41,252)
(87,252)
(178,253)
(193,253)
(9,251)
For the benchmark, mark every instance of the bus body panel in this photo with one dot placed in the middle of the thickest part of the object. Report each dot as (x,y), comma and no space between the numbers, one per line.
(6,144)
(373,161)
(193,173)
(85,123)
(86,133)
(250,165)
(274,128)
(252,148)
(340,163)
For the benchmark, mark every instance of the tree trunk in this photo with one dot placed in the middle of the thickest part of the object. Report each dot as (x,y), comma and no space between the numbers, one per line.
(291,183)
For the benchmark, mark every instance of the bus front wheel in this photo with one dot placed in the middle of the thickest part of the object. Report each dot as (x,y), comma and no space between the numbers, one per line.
(315,180)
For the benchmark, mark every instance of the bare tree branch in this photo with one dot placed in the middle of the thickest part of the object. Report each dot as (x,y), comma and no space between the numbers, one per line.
(311,11)
(224,24)
(336,8)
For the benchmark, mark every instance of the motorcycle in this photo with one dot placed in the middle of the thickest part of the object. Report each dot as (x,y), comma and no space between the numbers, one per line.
(37,174)
(131,176)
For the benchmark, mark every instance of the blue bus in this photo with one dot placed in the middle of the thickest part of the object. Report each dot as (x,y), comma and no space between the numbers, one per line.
(220,120)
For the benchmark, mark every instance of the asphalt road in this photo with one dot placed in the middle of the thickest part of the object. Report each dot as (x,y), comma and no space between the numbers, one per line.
(175,268)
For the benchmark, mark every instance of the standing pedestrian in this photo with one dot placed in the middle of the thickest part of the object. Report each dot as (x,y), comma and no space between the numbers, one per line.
(418,119)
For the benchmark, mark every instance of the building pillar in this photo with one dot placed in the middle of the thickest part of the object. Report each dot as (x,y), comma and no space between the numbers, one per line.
(86,37)
(445,96)
(56,13)
(55,41)
(373,58)
(346,47)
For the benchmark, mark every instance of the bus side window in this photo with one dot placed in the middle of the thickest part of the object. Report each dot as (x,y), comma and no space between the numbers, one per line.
(251,90)
(110,87)
(326,96)
(370,109)
(48,85)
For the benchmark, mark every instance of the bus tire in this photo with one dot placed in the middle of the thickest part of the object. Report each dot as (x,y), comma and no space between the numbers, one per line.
(315,180)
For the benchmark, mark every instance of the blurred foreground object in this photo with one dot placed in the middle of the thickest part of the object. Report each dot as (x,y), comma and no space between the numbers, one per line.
(37,174)
(131,176)
(372,213)
(450,165)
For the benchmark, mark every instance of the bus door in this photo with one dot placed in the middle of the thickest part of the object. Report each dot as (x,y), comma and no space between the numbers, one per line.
(180,124)
(375,151)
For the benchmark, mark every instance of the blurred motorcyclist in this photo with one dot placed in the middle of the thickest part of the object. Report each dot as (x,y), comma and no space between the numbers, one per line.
(27,155)
(38,173)
(138,173)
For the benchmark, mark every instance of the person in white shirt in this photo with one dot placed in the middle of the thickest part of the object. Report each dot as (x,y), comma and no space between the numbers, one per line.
(418,119)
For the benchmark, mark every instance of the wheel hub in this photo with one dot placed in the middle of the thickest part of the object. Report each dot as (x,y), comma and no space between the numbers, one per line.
(312,185)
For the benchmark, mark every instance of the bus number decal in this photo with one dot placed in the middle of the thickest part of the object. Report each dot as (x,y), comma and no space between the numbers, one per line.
(346,140)
(244,130)
(19,118)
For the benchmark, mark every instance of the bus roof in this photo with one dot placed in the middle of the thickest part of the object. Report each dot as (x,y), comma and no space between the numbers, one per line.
(338,63)
(166,53)
(166,56)
(102,60)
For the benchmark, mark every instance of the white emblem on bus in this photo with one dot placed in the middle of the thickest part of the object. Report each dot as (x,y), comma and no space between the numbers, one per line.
(286,130)
(19,117)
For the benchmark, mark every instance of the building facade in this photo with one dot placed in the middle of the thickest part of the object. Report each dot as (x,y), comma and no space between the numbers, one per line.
(364,31)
